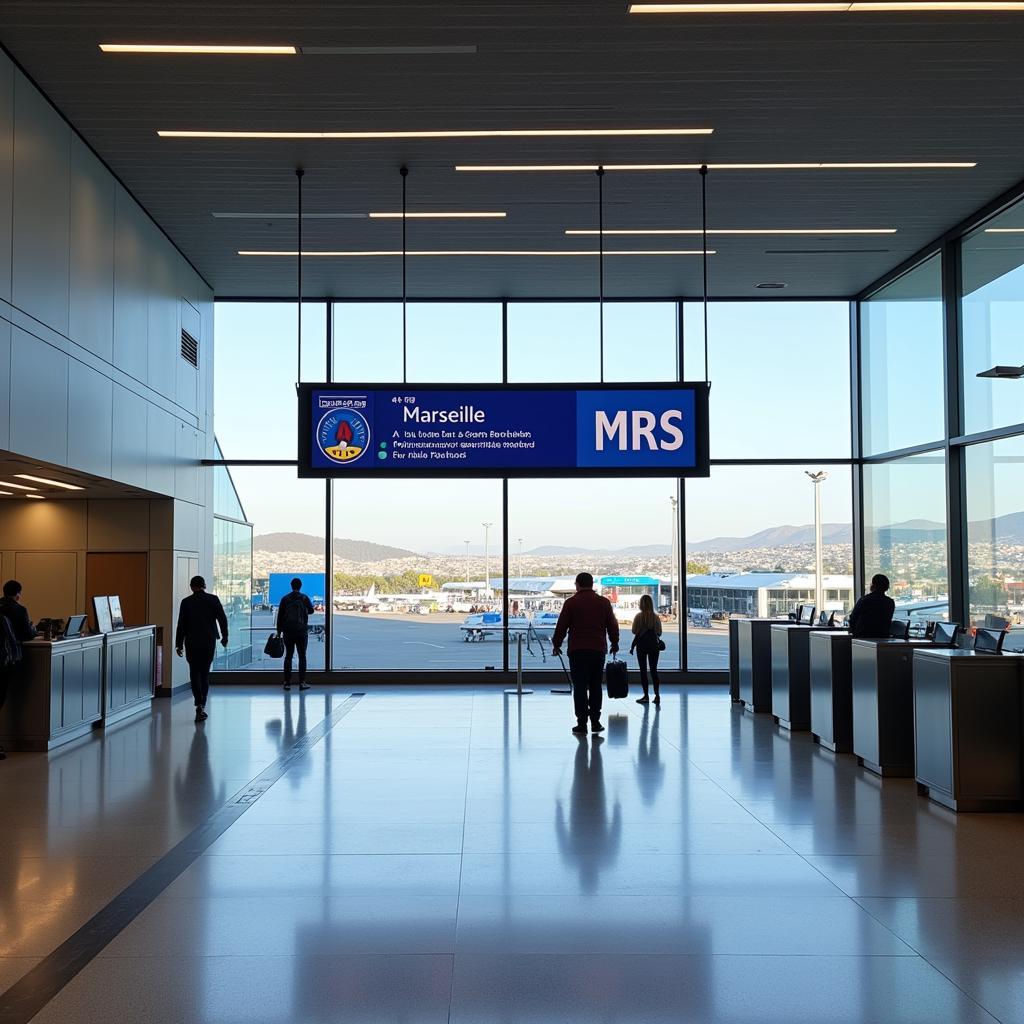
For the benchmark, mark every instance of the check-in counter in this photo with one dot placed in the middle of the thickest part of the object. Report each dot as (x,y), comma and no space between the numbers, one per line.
(128,672)
(734,659)
(832,690)
(754,663)
(56,694)
(883,704)
(791,674)
(967,725)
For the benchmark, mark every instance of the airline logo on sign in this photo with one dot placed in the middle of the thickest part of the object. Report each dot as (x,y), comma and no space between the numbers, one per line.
(635,428)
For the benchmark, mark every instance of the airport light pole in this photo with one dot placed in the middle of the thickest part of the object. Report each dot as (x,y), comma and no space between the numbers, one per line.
(817,479)
(674,502)
(467,561)
(487,559)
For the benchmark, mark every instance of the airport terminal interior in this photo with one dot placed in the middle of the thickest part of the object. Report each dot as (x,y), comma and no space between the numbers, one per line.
(422,310)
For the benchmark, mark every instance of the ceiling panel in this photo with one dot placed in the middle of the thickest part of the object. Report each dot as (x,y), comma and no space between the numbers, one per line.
(775,88)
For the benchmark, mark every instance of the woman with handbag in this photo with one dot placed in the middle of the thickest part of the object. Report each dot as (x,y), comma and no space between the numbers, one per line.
(648,645)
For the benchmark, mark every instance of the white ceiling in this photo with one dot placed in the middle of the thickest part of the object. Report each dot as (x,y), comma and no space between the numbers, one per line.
(775,88)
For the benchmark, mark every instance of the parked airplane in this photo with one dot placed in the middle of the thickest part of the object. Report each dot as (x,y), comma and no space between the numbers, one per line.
(477,628)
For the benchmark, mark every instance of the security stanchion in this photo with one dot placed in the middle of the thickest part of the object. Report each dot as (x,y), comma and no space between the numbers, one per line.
(519,691)
(568,678)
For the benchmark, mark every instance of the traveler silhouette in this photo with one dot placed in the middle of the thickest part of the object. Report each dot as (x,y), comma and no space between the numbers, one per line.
(199,618)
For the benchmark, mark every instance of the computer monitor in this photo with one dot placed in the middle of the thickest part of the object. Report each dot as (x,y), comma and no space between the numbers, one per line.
(807,614)
(74,627)
(944,632)
(899,629)
(797,616)
(116,618)
(989,641)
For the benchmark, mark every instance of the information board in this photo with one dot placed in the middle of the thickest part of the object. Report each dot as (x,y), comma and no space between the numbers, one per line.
(378,430)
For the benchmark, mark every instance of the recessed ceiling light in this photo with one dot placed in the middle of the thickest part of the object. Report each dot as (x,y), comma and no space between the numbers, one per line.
(478,252)
(888,165)
(288,216)
(740,8)
(17,487)
(7,494)
(438,216)
(771,285)
(488,133)
(37,497)
(940,5)
(1004,231)
(46,480)
(734,231)
(187,48)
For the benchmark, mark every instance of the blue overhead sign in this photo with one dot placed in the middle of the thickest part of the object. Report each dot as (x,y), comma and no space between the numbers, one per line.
(503,430)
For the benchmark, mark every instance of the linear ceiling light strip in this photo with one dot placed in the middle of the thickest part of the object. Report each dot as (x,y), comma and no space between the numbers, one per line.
(495,133)
(734,231)
(216,48)
(864,165)
(475,252)
(299,174)
(829,7)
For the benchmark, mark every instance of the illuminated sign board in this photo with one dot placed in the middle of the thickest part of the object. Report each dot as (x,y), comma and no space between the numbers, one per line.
(395,430)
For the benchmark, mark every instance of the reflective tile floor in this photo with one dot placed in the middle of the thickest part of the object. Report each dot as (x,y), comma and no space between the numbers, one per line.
(434,855)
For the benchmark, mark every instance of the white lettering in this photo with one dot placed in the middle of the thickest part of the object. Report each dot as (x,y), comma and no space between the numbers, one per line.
(643,427)
(667,424)
(605,428)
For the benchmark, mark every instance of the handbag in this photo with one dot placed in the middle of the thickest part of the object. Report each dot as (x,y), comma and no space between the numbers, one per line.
(274,647)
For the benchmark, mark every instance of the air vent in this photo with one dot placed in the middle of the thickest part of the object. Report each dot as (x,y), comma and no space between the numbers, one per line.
(189,349)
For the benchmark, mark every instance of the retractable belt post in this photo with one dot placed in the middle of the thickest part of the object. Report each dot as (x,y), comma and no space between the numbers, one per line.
(519,691)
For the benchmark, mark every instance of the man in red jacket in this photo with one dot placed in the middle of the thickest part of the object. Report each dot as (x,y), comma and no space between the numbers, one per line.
(588,618)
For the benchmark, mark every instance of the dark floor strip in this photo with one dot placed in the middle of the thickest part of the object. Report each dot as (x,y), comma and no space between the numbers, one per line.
(26,997)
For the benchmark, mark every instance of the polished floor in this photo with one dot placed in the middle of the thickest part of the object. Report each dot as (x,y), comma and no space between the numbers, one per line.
(435,855)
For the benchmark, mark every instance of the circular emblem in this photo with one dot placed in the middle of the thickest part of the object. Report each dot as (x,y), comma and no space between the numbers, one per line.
(343,435)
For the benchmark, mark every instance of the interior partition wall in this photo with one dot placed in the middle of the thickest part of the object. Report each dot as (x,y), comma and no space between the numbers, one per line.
(781,402)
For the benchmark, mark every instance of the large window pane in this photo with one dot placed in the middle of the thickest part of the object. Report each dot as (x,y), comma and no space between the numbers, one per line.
(905,533)
(288,540)
(553,342)
(902,361)
(995,517)
(620,531)
(992,313)
(389,535)
(453,341)
(255,362)
(367,342)
(750,549)
(780,377)
(641,341)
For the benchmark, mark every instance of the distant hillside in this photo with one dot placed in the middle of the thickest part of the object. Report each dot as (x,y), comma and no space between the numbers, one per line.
(1008,529)
(777,537)
(350,550)
(638,551)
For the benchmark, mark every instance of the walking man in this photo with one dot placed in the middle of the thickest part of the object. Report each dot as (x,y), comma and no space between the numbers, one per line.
(199,618)
(293,624)
(588,619)
(17,630)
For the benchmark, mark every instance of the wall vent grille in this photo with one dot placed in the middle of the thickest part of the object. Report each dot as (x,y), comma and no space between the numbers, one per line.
(189,349)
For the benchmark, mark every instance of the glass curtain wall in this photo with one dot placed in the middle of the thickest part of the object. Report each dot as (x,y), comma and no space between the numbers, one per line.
(417,568)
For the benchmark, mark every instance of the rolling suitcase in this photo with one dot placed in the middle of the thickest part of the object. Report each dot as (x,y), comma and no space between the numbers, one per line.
(616,678)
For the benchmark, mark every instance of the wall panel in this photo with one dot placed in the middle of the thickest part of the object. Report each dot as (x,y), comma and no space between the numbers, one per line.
(50,581)
(90,419)
(160,446)
(164,336)
(5,384)
(91,314)
(41,219)
(6,172)
(131,306)
(39,398)
(129,441)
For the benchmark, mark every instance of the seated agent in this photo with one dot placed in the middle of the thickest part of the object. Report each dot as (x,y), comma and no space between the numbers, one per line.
(21,629)
(293,624)
(588,618)
(872,614)
(200,616)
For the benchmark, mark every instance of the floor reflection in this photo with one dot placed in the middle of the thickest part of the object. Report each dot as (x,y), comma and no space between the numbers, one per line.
(589,837)
(650,770)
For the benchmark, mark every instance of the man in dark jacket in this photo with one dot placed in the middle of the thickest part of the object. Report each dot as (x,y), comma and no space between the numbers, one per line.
(21,627)
(199,617)
(588,618)
(293,625)
(872,614)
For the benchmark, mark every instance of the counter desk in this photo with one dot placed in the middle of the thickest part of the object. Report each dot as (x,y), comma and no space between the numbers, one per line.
(791,674)
(754,662)
(883,704)
(128,672)
(967,726)
(56,694)
(832,690)
(734,660)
